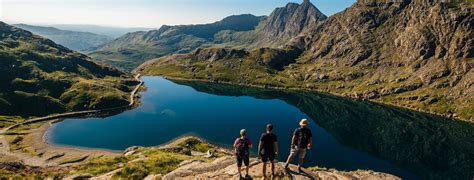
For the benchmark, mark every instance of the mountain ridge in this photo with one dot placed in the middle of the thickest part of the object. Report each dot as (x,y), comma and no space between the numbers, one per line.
(414,54)
(79,41)
(245,31)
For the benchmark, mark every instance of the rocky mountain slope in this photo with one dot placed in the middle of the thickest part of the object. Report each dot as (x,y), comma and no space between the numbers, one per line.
(415,54)
(241,31)
(74,40)
(39,77)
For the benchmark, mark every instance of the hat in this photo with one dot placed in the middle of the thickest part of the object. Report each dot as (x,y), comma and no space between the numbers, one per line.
(243,132)
(303,122)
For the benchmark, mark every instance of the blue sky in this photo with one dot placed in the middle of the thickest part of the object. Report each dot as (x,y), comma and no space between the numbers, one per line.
(143,13)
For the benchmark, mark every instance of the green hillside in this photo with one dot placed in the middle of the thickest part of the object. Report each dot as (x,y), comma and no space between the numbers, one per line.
(39,77)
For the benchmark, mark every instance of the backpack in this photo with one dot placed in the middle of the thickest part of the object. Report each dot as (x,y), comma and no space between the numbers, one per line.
(242,147)
(303,136)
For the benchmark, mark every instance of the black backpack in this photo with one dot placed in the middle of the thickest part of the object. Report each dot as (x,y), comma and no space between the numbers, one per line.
(242,147)
(303,136)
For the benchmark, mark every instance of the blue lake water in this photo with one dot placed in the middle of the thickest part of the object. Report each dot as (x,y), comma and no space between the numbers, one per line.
(348,135)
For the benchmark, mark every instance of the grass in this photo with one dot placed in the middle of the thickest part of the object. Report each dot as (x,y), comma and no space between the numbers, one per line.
(73,160)
(157,162)
(101,165)
(6,121)
(197,145)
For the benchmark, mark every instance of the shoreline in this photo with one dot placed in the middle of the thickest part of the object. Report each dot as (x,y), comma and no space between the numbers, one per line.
(42,130)
(391,105)
(85,113)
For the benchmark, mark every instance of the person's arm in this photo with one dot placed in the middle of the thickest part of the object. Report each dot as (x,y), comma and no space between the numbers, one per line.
(235,144)
(250,144)
(310,143)
(260,146)
(276,147)
(293,141)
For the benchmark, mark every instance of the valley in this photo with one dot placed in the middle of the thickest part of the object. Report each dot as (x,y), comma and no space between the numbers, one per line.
(387,87)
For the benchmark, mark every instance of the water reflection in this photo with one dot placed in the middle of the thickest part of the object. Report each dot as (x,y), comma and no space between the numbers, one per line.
(429,146)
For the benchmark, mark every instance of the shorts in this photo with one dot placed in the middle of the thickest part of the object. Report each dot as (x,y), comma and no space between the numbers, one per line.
(300,151)
(245,159)
(268,157)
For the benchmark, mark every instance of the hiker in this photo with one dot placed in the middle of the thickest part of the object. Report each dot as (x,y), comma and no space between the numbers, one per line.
(242,147)
(268,149)
(300,144)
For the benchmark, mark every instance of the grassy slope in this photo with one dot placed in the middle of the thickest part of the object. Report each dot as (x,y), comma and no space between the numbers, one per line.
(40,77)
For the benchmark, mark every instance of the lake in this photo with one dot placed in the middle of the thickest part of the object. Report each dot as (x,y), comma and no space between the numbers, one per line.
(348,134)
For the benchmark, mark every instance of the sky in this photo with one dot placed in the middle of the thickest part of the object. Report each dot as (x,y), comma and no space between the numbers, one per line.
(143,13)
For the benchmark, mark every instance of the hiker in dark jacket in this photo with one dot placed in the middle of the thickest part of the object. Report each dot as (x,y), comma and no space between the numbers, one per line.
(242,146)
(268,149)
(300,143)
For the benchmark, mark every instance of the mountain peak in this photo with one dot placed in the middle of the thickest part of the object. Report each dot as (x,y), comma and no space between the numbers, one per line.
(290,20)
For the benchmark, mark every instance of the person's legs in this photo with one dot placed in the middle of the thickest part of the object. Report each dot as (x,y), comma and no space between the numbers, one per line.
(273,168)
(247,165)
(301,156)
(239,166)
(264,169)
(271,158)
(293,152)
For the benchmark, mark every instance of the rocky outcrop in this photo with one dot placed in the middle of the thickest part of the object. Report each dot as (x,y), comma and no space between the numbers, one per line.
(224,168)
(214,54)
(411,30)
(287,22)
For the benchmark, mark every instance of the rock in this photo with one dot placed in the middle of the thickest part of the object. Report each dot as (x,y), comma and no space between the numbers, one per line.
(154,177)
(131,150)
(432,100)
(209,154)
(323,77)
(12,166)
(79,177)
(370,94)
(214,54)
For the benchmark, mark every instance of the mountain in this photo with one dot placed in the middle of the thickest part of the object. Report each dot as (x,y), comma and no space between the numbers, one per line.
(240,31)
(113,32)
(132,49)
(277,29)
(74,40)
(415,54)
(40,77)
